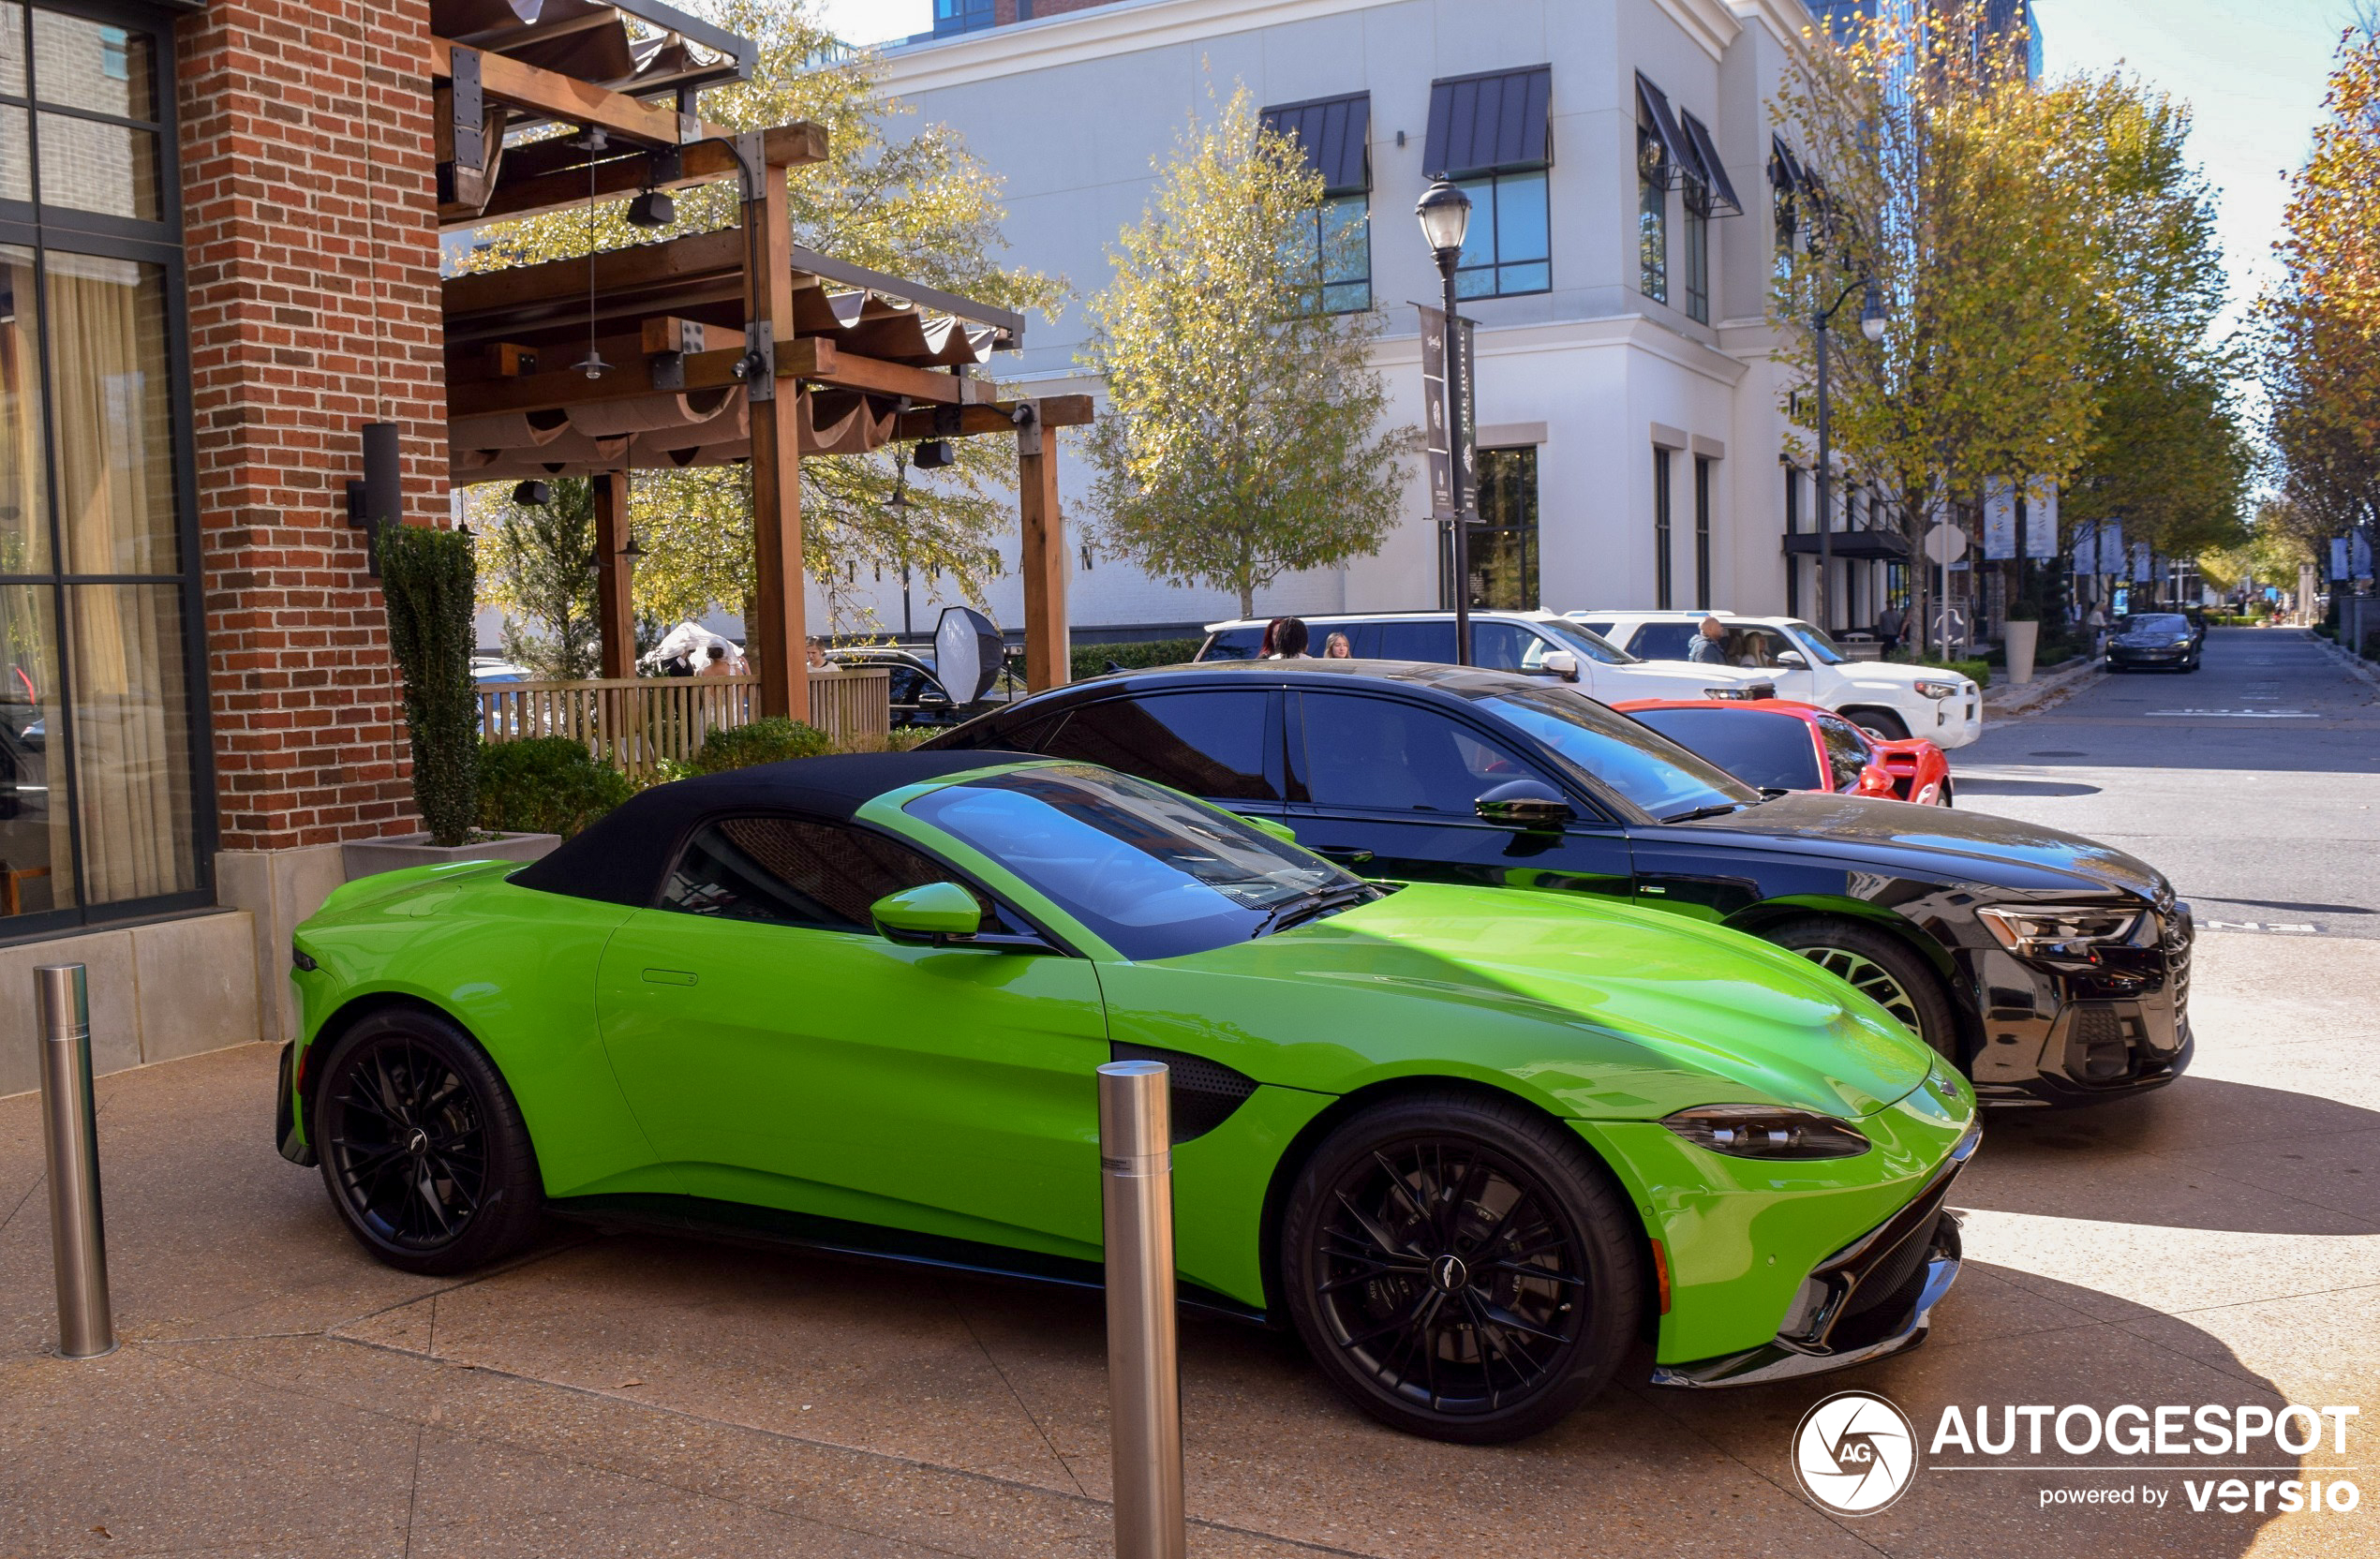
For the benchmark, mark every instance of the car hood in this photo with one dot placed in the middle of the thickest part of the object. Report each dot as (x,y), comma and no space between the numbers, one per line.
(1954,846)
(1700,1014)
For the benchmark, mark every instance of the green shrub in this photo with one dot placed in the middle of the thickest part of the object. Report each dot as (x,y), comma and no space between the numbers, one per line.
(1091,660)
(546,785)
(1977,670)
(768,740)
(429,577)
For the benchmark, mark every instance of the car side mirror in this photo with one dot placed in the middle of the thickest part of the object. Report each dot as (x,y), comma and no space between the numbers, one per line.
(1792,658)
(1874,779)
(934,914)
(1562,663)
(1524,803)
(1273,826)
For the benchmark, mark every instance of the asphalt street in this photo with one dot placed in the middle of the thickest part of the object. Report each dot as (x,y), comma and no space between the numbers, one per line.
(2254,783)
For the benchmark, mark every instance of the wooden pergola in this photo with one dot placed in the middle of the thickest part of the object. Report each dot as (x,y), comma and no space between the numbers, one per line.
(729,345)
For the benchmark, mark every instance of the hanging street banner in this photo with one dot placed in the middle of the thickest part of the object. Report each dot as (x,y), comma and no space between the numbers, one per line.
(1999,519)
(2338,557)
(2041,518)
(2111,546)
(2140,562)
(2086,549)
(2358,553)
(1439,447)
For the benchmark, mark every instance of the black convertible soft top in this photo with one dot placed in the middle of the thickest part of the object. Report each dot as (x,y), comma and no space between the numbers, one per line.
(620,857)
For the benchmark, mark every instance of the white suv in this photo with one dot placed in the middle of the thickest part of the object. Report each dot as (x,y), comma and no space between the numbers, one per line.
(1536,643)
(1891,700)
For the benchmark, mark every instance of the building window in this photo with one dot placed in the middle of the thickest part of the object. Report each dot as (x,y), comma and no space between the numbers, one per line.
(1503,542)
(961,16)
(1334,135)
(105,807)
(1490,135)
(1698,252)
(1703,532)
(1651,217)
(1660,527)
(1337,248)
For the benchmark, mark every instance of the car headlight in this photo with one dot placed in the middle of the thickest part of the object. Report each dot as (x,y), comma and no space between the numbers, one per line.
(2180,644)
(1937,690)
(1728,692)
(1766,1131)
(2060,931)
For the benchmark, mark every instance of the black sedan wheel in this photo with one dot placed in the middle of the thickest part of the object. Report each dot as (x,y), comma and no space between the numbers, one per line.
(1881,968)
(1460,1267)
(423,1148)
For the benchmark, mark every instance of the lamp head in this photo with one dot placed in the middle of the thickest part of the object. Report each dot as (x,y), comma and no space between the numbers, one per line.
(1871,313)
(1446,217)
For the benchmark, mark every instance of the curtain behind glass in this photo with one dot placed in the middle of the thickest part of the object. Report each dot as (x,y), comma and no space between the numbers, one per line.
(25,532)
(132,739)
(113,410)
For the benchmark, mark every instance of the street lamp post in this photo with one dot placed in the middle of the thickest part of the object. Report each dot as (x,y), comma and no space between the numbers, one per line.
(1446,217)
(1871,324)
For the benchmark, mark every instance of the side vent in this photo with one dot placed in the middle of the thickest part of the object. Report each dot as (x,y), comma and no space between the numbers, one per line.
(1203,1092)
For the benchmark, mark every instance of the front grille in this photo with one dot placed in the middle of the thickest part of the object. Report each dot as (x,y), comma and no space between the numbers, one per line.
(2178,941)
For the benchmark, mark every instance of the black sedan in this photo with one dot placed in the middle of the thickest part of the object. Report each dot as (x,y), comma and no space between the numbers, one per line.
(2163,640)
(2053,970)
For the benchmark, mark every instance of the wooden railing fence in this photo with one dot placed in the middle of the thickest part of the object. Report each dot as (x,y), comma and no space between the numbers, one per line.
(636,721)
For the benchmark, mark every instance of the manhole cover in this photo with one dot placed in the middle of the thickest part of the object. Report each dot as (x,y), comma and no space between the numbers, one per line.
(2059,752)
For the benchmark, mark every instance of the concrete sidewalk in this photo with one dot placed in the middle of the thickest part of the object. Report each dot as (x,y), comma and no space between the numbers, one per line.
(277,1393)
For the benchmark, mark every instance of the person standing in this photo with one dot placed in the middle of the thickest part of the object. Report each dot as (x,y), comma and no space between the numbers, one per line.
(1710,645)
(1889,623)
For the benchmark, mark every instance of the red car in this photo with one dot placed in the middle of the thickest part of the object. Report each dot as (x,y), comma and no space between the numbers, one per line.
(1776,744)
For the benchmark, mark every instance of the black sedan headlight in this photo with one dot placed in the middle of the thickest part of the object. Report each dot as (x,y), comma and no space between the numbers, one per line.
(1766,1131)
(2060,932)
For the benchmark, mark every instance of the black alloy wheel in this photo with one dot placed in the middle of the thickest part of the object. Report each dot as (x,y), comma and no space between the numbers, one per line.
(1880,967)
(1461,1268)
(422,1149)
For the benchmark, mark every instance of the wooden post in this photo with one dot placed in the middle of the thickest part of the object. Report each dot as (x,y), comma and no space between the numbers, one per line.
(1048,656)
(774,643)
(614,616)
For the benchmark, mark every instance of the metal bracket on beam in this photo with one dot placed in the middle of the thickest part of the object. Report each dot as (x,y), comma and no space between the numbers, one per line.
(758,370)
(665,165)
(751,163)
(1028,420)
(690,126)
(468,110)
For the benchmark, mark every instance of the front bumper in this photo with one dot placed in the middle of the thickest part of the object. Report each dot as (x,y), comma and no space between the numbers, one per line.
(1879,1296)
(2119,656)
(2055,1038)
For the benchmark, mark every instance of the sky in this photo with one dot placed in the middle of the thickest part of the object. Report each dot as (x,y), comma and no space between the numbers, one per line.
(2251,71)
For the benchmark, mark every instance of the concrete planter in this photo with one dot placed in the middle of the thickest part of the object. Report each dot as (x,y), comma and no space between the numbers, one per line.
(2020,639)
(365,858)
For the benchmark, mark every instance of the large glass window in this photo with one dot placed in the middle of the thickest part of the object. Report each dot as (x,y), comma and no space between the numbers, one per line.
(1507,248)
(104,807)
(1703,532)
(961,16)
(1661,528)
(1698,251)
(1503,543)
(1652,217)
(1337,248)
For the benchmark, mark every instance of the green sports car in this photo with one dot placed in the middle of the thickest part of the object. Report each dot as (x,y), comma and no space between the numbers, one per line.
(1474,1145)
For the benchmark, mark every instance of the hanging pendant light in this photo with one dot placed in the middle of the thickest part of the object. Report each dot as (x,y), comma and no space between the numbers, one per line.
(593,142)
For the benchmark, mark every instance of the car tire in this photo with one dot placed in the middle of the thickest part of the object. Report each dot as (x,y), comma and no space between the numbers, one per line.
(1880,967)
(1385,1264)
(422,1149)
(1945,797)
(1880,723)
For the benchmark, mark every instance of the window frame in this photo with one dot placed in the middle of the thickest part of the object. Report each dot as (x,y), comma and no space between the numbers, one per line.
(1486,732)
(1495,265)
(1703,464)
(46,230)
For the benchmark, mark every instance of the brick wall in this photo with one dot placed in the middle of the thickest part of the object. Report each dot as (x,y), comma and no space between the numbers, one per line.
(314,309)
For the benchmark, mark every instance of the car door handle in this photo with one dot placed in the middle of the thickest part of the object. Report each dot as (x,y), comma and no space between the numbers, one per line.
(669,978)
(1346,854)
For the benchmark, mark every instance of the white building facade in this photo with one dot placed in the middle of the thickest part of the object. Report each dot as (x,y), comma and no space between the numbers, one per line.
(1620,156)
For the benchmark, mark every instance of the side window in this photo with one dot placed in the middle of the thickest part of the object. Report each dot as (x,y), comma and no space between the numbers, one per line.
(907,681)
(1506,646)
(1766,750)
(1663,640)
(1380,754)
(1232,644)
(1432,642)
(1756,646)
(1219,745)
(793,871)
(1847,752)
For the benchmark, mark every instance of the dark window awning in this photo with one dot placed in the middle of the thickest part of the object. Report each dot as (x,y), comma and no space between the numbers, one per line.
(1713,172)
(1336,136)
(1496,122)
(1653,112)
(1785,171)
(1858,545)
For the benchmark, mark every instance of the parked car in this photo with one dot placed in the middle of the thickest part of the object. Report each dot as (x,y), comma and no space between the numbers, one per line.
(1778,745)
(2052,968)
(1535,644)
(1894,701)
(490,668)
(1475,1147)
(919,697)
(2160,641)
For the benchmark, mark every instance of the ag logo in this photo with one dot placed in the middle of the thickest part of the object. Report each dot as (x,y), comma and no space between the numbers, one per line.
(1855,1453)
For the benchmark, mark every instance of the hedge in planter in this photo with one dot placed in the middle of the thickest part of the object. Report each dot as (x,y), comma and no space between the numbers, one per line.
(767,740)
(546,785)
(429,578)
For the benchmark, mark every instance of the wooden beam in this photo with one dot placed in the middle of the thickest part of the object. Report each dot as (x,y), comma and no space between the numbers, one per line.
(698,255)
(535,191)
(567,98)
(615,612)
(567,387)
(775,641)
(507,360)
(998,417)
(1042,560)
(816,359)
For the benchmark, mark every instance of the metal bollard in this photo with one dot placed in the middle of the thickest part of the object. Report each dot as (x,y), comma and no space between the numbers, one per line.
(78,1234)
(1144,1378)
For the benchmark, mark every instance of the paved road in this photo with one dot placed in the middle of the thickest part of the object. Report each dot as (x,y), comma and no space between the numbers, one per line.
(2254,783)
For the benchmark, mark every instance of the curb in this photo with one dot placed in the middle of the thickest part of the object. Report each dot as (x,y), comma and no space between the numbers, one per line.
(2041,691)
(2355,664)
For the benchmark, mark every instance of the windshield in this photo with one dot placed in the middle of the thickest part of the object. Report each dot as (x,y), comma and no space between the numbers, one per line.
(1818,643)
(2153,622)
(1617,752)
(1151,873)
(1588,643)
